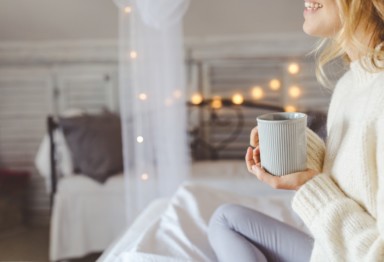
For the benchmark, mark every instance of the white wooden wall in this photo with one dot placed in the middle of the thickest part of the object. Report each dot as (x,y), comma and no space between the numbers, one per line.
(28,95)
(228,77)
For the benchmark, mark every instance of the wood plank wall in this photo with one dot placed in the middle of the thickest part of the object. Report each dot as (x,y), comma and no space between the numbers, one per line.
(27,96)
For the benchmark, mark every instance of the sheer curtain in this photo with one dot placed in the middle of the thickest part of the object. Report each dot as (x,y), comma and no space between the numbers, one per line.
(152,98)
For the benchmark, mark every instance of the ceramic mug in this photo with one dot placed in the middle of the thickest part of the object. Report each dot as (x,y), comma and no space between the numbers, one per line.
(282,142)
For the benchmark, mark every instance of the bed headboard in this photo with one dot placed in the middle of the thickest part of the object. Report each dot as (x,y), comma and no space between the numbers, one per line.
(51,126)
(219,129)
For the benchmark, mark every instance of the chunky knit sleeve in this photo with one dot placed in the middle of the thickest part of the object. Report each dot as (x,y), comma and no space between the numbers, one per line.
(315,151)
(380,168)
(343,230)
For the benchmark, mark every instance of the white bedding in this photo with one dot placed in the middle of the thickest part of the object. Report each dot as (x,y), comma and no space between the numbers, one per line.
(87,216)
(179,232)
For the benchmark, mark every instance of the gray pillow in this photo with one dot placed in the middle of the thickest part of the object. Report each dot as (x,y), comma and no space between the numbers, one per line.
(95,143)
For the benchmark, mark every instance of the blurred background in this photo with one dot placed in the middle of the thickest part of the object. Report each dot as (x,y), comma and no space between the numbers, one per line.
(61,55)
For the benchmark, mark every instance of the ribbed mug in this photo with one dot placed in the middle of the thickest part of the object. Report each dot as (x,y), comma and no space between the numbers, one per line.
(282,141)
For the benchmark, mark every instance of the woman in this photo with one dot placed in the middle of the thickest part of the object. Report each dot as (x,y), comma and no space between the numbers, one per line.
(342,200)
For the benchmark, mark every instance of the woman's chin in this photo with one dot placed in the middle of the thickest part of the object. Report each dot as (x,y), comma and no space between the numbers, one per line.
(311,31)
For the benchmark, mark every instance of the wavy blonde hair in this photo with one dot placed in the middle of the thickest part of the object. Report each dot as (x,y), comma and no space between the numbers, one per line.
(355,16)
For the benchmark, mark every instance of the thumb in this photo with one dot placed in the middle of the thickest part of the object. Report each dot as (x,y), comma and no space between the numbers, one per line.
(254,137)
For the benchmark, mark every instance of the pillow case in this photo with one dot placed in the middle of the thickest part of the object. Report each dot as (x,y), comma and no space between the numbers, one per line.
(63,155)
(95,143)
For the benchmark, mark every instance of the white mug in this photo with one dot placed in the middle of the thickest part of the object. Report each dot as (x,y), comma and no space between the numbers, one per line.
(282,142)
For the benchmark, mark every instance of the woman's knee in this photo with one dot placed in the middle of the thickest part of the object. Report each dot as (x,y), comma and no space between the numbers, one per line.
(223,212)
(219,223)
(228,213)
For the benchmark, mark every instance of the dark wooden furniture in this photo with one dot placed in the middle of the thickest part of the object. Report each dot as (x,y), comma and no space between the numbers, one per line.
(13,192)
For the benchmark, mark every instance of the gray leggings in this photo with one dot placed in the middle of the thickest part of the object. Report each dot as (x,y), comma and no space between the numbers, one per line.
(237,233)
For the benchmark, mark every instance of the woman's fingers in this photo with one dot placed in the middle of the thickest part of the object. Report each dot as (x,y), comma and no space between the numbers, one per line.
(289,182)
(249,159)
(254,137)
(252,158)
(265,177)
(256,155)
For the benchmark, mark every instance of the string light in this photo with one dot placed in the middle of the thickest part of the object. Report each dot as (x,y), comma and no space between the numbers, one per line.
(144,177)
(294,91)
(257,92)
(196,99)
(140,139)
(143,96)
(127,9)
(293,68)
(177,93)
(216,102)
(133,54)
(290,108)
(237,99)
(275,84)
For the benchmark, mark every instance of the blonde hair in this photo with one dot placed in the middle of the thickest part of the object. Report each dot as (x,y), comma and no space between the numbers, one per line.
(366,15)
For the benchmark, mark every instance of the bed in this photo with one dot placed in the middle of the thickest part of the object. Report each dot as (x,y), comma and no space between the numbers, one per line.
(175,229)
(89,216)
(87,212)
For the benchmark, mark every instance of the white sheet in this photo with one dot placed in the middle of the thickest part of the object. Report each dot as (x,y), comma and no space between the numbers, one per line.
(81,184)
(87,216)
(146,218)
(179,234)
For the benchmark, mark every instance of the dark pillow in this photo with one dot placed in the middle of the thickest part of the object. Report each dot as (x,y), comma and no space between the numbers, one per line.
(95,143)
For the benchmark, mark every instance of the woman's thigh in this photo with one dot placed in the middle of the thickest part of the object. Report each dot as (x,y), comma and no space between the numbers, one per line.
(248,235)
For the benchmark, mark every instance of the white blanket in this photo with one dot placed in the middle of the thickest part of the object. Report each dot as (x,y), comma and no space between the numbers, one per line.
(180,233)
(87,216)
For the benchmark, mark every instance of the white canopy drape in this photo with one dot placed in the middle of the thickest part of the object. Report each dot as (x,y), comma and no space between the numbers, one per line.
(152,97)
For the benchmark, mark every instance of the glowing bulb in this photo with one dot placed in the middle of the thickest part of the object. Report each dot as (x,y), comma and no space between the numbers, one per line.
(294,91)
(237,99)
(127,9)
(275,84)
(196,99)
(290,109)
(143,96)
(140,139)
(257,92)
(216,102)
(133,54)
(293,68)
(144,176)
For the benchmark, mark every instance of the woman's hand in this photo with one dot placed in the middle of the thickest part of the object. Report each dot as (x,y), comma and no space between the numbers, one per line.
(254,137)
(290,182)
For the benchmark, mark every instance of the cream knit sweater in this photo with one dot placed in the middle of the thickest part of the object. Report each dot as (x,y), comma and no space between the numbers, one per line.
(343,207)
